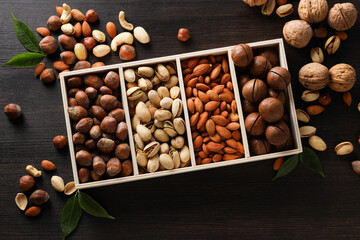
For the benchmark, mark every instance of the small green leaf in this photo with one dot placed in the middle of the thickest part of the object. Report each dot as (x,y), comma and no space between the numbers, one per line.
(29,59)
(71,215)
(90,206)
(311,161)
(287,166)
(25,35)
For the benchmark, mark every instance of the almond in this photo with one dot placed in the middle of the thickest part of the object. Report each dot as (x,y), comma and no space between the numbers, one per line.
(225,78)
(78,30)
(203,97)
(43,31)
(223,132)
(77,15)
(190,105)
(206,161)
(218,89)
(193,62)
(111,29)
(315,109)
(215,73)
(60,65)
(215,138)
(202,119)
(98,64)
(225,65)
(214,147)
(47,165)
(211,106)
(226,97)
(347,98)
(192,82)
(201,69)
(202,87)
(86,29)
(213,95)
(198,142)
(199,106)
(232,143)
(230,150)
(219,120)
(39,68)
(59,10)
(194,119)
(33,211)
(227,157)
(233,126)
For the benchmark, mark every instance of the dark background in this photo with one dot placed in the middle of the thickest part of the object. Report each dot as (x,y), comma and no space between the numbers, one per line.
(236,202)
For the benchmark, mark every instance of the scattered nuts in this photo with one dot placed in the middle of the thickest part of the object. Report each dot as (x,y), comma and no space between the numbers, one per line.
(53,23)
(86,29)
(12,111)
(285,10)
(297,33)
(39,197)
(60,65)
(77,15)
(57,183)
(89,43)
(342,35)
(91,16)
(356,166)
(346,96)
(43,31)
(101,50)
(315,109)
(302,116)
(332,44)
(344,148)
(124,23)
(99,36)
(59,141)
(21,201)
(307,131)
(317,143)
(314,76)
(59,10)
(84,175)
(111,29)
(77,28)
(66,14)
(48,165)
(317,55)
(183,34)
(342,16)
(310,96)
(48,75)
(39,68)
(127,52)
(48,45)
(141,35)
(31,170)
(69,188)
(268,7)
(67,42)
(33,211)
(313,11)
(121,38)
(325,98)
(68,57)
(342,77)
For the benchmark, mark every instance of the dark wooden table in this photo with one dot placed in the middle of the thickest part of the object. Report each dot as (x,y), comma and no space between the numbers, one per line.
(236,202)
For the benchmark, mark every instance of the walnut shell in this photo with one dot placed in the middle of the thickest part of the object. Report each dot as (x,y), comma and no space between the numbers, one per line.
(313,11)
(314,76)
(297,33)
(342,16)
(342,77)
(253,3)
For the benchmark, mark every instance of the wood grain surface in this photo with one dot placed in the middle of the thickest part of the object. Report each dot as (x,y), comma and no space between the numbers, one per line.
(236,202)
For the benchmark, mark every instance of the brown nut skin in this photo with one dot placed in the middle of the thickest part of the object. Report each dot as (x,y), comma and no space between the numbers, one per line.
(67,42)
(121,131)
(280,95)
(255,124)
(118,114)
(59,141)
(106,145)
(127,52)
(95,132)
(259,67)
(249,107)
(26,182)
(342,77)
(259,145)
(48,45)
(91,92)
(68,57)
(112,80)
(84,175)
(320,32)
(53,23)
(99,165)
(33,211)
(98,112)
(93,80)
(91,16)
(122,151)
(278,78)
(313,11)
(325,98)
(77,112)
(90,144)
(183,34)
(113,167)
(94,176)
(39,197)
(126,168)
(84,125)
(297,33)
(342,16)
(81,65)
(108,125)
(277,133)
(108,102)
(254,90)
(12,111)
(271,54)
(314,76)
(82,99)
(89,43)
(105,90)
(78,138)
(47,76)
(75,82)
(242,55)
(84,158)
(271,109)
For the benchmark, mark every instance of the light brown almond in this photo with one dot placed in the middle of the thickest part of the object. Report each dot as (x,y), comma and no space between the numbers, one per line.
(60,65)
(214,147)
(111,29)
(59,10)
(202,120)
(202,87)
(215,72)
(98,64)
(346,96)
(43,31)
(48,165)
(219,120)
(315,109)
(39,68)
(194,119)
(201,69)
(86,29)
(213,95)
(77,15)
(226,97)
(78,30)
(193,62)
(218,89)
(211,106)
(223,132)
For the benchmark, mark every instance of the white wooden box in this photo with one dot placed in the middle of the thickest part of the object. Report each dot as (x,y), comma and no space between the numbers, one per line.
(192,167)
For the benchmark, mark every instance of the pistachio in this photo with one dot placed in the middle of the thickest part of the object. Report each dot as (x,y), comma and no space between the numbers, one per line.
(177,108)
(155,80)
(139,144)
(356,166)
(143,132)
(57,183)
(173,81)
(135,121)
(161,136)
(68,29)
(134,93)
(317,143)
(302,115)
(184,154)
(152,149)
(145,84)
(129,75)
(162,73)
(310,96)
(344,148)
(151,126)
(21,201)
(153,164)
(175,92)
(143,112)
(268,7)
(179,125)
(175,158)
(99,36)
(285,10)
(145,71)
(317,55)
(69,188)
(359,106)
(166,161)
(141,158)
(164,148)
(162,115)
(169,129)
(178,142)
(158,124)
(166,102)
(163,92)
(332,44)
(171,67)
(80,51)
(154,98)
(307,131)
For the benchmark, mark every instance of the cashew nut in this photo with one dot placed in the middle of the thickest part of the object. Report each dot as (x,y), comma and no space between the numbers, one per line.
(124,37)
(66,14)
(124,23)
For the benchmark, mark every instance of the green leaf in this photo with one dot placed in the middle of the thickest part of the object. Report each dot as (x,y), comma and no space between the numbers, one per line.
(287,166)
(29,59)
(25,35)
(90,206)
(311,161)
(71,215)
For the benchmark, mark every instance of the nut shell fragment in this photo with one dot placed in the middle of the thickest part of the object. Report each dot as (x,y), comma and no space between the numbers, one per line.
(69,188)
(21,201)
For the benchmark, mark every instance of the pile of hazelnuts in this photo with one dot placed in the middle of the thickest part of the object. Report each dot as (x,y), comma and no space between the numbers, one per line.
(262,84)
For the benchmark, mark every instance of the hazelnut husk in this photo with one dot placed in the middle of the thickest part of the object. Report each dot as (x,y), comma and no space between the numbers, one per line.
(112,80)
(255,124)
(12,111)
(122,151)
(48,45)
(59,141)
(259,67)
(83,158)
(278,78)
(127,52)
(67,42)
(81,65)
(271,54)
(280,95)
(297,33)
(313,11)
(254,90)
(242,55)
(26,182)
(108,125)
(183,34)
(54,23)
(277,133)
(271,109)
(259,145)
(342,77)
(314,76)
(48,75)
(342,16)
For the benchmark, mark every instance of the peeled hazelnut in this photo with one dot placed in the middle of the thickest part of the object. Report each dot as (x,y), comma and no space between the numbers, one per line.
(259,67)
(26,182)
(106,145)
(83,158)
(12,111)
(127,52)
(183,34)
(84,125)
(122,151)
(242,55)
(113,167)
(48,75)
(342,16)
(91,16)
(68,57)
(53,23)
(48,45)
(112,80)
(108,102)
(81,65)
(89,43)
(67,42)
(297,33)
(39,197)
(84,175)
(108,125)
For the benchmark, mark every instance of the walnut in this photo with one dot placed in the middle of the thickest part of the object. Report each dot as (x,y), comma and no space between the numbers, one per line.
(342,77)
(313,11)
(342,16)
(297,33)
(314,76)
(253,3)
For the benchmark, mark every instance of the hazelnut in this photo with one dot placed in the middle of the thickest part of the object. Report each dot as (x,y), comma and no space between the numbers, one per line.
(48,75)
(255,124)
(91,92)
(12,111)
(93,80)
(183,34)
(84,125)
(313,11)
(113,167)
(67,42)
(342,77)
(89,43)
(121,131)
(59,141)
(280,95)
(75,82)
(48,45)
(94,176)
(72,102)
(26,182)
(53,23)
(108,102)
(271,55)
(91,16)
(242,55)
(122,151)
(99,165)
(95,132)
(81,65)
(278,78)
(259,145)
(314,76)
(105,90)
(242,79)
(84,175)
(108,125)
(249,107)
(297,33)
(342,16)
(271,109)
(90,144)
(73,91)
(259,67)
(39,197)
(254,90)
(82,99)
(79,138)
(112,80)
(277,133)
(127,52)
(96,121)
(98,112)
(68,57)
(77,112)
(106,145)
(118,114)
(126,168)
(83,158)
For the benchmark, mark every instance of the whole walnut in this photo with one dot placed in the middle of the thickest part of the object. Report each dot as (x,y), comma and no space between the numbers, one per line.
(313,11)
(314,76)
(342,16)
(253,3)
(297,33)
(342,77)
